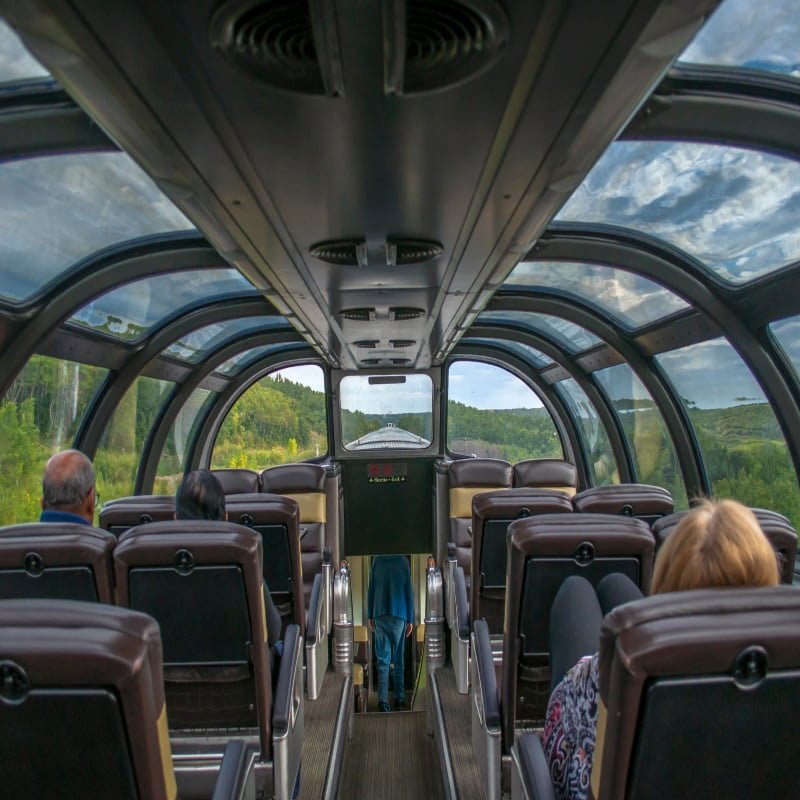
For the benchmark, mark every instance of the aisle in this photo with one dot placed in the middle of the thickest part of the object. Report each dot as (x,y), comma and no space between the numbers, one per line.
(391,758)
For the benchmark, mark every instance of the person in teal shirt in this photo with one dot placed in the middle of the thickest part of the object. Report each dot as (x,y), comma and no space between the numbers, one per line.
(391,619)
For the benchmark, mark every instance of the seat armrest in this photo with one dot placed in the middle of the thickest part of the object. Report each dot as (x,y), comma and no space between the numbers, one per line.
(462,605)
(314,625)
(484,663)
(235,772)
(284,691)
(530,774)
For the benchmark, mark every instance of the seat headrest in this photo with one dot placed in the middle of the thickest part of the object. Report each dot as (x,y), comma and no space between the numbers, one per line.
(699,631)
(480,472)
(291,478)
(210,543)
(557,534)
(263,509)
(627,499)
(511,503)
(237,481)
(545,472)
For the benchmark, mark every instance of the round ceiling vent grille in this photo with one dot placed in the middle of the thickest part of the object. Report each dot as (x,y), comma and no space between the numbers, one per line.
(450,41)
(272,40)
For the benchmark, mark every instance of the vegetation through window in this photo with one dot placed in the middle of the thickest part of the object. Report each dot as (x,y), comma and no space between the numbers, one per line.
(491,413)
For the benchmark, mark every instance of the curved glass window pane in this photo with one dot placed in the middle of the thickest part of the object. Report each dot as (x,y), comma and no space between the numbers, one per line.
(491,413)
(787,332)
(734,210)
(524,351)
(630,299)
(16,63)
(194,346)
(743,448)
(279,420)
(124,438)
(39,416)
(570,336)
(172,463)
(128,313)
(386,412)
(233,366)
(67,207)
(596,446)
(762,36)
(650,444)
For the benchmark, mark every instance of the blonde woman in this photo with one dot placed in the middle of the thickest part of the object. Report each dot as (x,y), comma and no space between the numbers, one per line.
(715,544)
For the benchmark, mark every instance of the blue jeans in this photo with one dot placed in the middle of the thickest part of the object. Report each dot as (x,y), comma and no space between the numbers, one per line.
(389,643)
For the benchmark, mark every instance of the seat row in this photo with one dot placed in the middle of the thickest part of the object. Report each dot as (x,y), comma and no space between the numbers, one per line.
(260,501)
(202,581)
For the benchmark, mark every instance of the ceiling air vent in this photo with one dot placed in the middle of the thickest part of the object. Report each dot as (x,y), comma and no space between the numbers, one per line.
(371,362)
(402,343)
(440,43)
(345,252)
(411,251)
(358,314)
(400,362)
(400,313)
(366,344)
(280,43)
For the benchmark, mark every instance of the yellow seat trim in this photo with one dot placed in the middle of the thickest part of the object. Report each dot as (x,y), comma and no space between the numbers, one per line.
(311,505)
(461,499)
(599,744)
(264,614)
(162,729)
(570,490)
(421,632)
(358,675)
(360,633)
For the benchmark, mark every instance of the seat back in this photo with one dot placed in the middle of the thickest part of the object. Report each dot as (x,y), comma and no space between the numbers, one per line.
(216,662)
(782,536)
(465,479)
(543,551)
(306,485)
(66,561)
(237,481)
(492,513)
(547,473)
(82,703)
(695,689)
(276,520)
(118,515)
(627,499)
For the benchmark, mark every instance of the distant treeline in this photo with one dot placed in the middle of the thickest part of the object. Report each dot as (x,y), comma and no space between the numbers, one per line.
(278,421)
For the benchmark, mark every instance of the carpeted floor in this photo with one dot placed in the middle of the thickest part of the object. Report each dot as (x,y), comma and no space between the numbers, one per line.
(391,758)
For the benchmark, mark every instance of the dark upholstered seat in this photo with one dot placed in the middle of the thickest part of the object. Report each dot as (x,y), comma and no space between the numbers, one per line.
(695,696)
(465,479)
(67,561)
(118,515)
(238,481)
(492,513)
(543,551)
(202,581)
(81,703)
(276,519)
(306,485)
(546,473)
(778,529)
(627,499)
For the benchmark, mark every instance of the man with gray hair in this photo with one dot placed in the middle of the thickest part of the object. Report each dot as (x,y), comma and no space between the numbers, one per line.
(68,489)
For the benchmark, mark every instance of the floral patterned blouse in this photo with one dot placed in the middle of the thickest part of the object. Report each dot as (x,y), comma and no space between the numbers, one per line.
(569,730)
